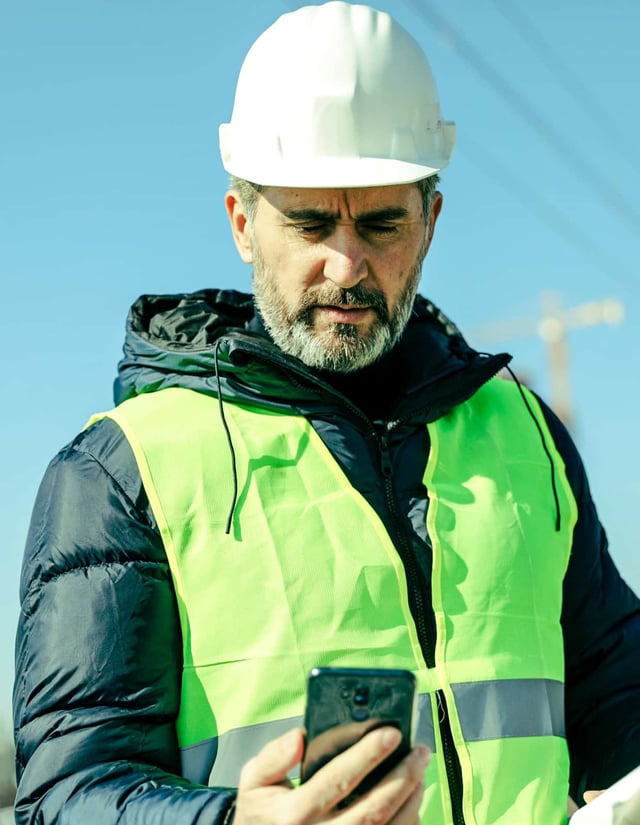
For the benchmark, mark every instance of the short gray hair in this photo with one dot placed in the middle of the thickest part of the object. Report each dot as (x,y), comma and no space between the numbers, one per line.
(249,193)
(428,188)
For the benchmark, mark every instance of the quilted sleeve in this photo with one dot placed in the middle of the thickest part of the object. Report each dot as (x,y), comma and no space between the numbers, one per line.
(98,653)
(601,627)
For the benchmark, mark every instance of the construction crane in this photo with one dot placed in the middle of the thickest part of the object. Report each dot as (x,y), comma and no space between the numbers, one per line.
(552,327)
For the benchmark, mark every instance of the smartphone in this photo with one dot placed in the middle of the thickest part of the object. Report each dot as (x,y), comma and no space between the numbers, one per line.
(343,704)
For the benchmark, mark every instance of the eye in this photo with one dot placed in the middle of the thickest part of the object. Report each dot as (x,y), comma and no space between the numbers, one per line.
(311,229)
(379,229)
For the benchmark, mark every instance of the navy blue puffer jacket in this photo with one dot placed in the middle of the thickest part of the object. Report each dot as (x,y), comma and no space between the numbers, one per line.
(98,656)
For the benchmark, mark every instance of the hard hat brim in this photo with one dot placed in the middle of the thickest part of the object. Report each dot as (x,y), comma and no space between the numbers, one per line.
(332,172)
(337,173)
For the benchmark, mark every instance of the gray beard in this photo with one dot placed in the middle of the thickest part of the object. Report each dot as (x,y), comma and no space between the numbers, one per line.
(342,347)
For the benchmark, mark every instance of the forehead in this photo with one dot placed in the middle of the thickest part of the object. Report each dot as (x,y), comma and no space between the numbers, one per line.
(345,203)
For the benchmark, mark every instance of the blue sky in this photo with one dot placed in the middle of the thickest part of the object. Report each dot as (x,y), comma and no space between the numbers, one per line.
(111,186)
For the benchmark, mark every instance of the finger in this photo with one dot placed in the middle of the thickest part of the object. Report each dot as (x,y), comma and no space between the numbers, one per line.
(396,798)
(589,796)
(273,762)
(407,777)
(335,780)
(409,813)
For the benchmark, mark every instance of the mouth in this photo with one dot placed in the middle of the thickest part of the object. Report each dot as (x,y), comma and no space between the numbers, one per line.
(341,314)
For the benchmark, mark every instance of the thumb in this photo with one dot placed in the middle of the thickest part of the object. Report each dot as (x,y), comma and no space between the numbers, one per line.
(589,796)
(273,762)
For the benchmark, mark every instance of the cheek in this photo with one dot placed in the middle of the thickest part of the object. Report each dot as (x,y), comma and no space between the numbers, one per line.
(284,280)
(399,274)
(292,283)
(294,271)
(394,274)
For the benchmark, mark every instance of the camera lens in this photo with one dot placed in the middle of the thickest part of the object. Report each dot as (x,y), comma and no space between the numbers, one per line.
(361,695)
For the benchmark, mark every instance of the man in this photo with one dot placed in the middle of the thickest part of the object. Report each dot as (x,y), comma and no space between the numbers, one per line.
(326,474)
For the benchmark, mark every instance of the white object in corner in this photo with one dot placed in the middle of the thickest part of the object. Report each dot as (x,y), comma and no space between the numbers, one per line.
(609,807)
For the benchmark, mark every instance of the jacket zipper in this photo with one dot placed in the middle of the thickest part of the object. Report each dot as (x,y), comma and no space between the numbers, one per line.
(416,600)
(427,639)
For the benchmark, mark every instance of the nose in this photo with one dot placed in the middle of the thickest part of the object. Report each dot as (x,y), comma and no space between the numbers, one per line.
(345,260)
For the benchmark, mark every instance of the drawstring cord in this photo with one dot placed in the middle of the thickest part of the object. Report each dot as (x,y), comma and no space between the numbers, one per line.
(544,446)
(232,451)
(223,418)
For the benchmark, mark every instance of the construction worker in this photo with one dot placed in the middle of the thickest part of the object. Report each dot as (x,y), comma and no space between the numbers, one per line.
(322,473)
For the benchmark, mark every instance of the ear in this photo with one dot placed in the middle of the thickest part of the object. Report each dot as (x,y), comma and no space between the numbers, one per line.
(240,228)
(434,212)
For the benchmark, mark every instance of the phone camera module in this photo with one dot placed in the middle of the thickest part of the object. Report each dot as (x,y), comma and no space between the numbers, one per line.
(361,695)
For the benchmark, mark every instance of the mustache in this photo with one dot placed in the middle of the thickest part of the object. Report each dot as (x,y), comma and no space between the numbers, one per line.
(356,296)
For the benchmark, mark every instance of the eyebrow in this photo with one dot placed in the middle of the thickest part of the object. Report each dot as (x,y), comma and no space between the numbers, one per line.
(388,213)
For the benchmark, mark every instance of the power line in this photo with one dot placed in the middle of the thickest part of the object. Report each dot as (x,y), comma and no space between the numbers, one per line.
(567,150)
(544,209)
(563,73)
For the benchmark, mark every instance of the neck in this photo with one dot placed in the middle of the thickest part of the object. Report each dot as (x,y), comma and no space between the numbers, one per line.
(374,388)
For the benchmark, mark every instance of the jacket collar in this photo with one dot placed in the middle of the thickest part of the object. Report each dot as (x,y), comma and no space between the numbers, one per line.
(213,341)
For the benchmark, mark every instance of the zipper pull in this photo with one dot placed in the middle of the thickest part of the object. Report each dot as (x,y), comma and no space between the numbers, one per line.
(385,456)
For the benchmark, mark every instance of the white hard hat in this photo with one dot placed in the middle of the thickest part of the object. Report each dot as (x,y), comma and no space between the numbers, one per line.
(337,95)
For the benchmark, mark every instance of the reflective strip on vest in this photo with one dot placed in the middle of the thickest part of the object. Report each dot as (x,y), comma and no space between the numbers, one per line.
(308,576)
(487,710)
(494,710)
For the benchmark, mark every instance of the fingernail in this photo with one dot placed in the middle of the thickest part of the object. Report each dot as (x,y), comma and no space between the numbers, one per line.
(424,754)
(391,738)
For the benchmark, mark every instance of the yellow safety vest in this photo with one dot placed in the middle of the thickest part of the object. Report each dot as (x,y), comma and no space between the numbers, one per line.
(308,576)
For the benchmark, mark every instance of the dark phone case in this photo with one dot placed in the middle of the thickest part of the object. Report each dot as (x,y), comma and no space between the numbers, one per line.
(345,703)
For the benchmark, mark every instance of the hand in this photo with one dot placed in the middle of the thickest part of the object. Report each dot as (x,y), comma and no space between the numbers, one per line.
(265,797)
(589,796)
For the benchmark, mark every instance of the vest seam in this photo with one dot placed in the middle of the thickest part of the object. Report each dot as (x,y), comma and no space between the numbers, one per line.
(95,419)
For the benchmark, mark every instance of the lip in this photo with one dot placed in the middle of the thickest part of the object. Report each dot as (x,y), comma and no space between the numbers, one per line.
(344,314)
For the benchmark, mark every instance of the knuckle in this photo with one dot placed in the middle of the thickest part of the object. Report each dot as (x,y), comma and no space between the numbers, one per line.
(381,814)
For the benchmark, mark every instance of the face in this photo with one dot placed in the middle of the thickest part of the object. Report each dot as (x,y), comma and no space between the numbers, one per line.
(335,270)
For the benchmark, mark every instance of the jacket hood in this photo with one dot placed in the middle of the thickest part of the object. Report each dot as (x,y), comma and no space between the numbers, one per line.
(213,341)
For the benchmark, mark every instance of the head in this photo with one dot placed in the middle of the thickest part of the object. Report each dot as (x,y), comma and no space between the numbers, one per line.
(335,271)
(337,124)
